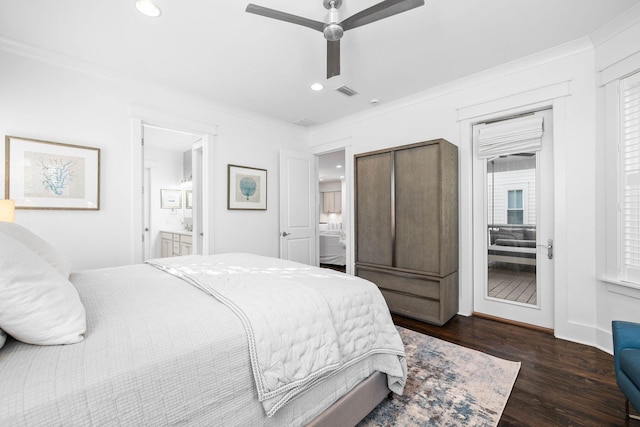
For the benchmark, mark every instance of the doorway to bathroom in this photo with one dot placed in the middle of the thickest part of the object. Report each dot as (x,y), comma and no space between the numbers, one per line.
(172,192)
(149,128)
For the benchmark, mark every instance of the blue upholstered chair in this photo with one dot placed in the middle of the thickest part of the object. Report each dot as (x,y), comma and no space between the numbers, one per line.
(626,355)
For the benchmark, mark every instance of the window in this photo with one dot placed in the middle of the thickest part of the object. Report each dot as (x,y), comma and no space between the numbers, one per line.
(629,220)
(515,207)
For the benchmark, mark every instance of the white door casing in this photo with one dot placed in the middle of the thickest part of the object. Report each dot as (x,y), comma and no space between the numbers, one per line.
(197,193)
(298,220)
(139,116)
(542,313)
(148,254)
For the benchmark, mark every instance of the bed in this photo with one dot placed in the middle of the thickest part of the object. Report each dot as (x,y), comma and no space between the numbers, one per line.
(332,248)
(163,345)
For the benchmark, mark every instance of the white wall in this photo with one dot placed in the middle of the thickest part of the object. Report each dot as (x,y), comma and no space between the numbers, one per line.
(76,104)
(330,186)
(447,112)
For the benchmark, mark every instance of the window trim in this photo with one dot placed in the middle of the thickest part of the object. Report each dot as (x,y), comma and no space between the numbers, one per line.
(610,252)
(628,168)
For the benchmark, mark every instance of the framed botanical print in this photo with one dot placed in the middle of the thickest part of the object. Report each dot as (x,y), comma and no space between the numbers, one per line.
(51,175)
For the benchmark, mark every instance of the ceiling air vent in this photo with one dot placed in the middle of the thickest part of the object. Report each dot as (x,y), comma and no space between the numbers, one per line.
(346,91)
(305,122)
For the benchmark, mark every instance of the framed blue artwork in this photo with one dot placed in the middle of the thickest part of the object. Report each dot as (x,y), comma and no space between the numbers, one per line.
(247,188)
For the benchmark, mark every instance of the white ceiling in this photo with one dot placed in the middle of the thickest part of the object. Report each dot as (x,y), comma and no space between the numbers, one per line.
(214,49)
(328,169)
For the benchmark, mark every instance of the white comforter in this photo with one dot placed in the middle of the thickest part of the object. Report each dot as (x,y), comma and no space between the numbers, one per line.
(303,324)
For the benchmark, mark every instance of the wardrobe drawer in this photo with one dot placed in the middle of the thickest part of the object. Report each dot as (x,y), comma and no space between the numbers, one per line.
(422,286)
(424,309)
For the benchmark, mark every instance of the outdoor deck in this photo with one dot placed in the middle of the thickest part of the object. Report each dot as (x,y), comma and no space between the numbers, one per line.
(513,282)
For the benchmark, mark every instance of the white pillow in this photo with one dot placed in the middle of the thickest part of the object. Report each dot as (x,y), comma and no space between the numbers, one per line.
(37,245)
(3,338)
(37,304)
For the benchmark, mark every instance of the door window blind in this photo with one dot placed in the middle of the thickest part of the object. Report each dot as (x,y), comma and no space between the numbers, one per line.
(630,179)
(521,135)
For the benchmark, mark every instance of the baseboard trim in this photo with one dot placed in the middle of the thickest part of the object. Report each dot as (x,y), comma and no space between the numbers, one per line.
(513,322)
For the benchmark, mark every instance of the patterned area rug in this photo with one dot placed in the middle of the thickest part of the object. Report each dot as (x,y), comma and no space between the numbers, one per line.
(447,385)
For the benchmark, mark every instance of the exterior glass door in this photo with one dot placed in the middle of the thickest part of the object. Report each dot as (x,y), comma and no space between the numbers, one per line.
(513,219)
(511,252)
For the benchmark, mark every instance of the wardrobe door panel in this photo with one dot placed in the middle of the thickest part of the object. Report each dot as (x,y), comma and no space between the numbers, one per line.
(449,209)
(373,209)
(417,188)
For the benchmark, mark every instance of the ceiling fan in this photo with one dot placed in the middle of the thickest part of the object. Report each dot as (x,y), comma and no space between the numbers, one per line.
(333,29)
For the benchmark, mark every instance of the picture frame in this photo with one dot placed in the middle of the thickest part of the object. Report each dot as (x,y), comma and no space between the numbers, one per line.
(170,199)
(247,188)
(51,175)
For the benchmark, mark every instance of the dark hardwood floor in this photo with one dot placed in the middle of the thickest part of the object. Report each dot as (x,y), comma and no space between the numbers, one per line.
(560,383)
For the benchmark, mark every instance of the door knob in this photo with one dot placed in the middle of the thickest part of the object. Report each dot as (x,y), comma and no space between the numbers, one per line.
(285,234)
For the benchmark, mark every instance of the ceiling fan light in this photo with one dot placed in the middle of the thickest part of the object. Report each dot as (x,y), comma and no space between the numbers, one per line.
(333,32)
(148,8)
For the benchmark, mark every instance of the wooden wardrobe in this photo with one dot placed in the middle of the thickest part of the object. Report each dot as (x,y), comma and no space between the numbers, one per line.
(406,203)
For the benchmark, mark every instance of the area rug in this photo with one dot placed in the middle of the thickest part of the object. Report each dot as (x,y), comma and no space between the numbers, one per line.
(447,385)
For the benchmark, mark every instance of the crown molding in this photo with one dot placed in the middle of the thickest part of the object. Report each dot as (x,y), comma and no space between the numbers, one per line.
(616,26)
(63,61)
(501,71)
(59,60)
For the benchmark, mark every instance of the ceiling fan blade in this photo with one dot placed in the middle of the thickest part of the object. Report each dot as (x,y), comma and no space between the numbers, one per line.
(287,17)
(333,58)
(379,11)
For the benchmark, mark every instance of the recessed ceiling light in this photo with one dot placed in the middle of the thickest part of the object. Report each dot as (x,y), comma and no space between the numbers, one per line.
(339,166)
(317,86)
(148,8)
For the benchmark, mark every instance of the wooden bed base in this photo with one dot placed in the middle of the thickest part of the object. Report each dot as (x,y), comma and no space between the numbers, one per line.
(356,404)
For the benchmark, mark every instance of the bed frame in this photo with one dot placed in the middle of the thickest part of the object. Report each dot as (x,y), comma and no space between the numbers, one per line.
(356,404)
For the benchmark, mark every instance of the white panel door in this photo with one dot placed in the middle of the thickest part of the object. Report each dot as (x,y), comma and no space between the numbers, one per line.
(298,207)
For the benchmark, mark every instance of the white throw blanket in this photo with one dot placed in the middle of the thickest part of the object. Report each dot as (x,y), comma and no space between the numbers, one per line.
(303,323)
